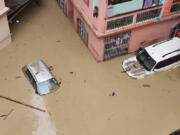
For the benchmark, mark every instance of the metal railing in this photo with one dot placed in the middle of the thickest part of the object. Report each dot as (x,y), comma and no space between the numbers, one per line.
(133,19)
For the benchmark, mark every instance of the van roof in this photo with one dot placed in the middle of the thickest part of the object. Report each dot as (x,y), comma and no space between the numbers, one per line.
(39,71)
(164,50)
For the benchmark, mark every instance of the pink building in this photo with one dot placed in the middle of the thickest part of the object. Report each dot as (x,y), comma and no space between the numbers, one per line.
(5,37)
(111,28)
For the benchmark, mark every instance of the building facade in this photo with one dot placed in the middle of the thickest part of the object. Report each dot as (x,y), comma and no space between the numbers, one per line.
(5,37)
(111,28)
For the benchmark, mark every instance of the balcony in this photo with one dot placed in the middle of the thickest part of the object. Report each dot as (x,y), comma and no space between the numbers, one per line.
(133,19)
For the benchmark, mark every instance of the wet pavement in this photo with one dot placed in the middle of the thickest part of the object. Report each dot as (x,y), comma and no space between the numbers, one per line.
(84,104)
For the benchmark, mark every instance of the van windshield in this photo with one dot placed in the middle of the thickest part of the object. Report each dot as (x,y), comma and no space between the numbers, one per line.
(145,60)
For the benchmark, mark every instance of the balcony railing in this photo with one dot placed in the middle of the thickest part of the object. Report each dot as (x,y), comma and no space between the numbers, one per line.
(148,15)
(134,18)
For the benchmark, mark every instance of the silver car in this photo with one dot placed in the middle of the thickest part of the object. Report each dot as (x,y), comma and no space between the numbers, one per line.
(40,77)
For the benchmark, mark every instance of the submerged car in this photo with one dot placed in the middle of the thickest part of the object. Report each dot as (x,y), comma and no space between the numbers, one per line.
(40,77)
(155,58)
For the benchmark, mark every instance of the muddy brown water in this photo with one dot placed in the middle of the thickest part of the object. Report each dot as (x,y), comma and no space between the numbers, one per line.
(82,106)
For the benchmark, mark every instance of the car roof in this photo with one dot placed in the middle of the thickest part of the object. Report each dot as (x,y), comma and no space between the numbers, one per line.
(164,50)
(39,71)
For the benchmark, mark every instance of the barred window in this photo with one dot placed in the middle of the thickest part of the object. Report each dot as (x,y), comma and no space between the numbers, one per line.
(120,22)
(175,8)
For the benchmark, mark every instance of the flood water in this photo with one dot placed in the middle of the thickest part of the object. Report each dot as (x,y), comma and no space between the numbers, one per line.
(94,98)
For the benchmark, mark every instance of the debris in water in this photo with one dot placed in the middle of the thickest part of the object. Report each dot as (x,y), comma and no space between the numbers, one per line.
(58,41)
(51,68)
(123,71)
(112,94)
(72,73)
(6,115)
(18,77)
(18,102)
(146,85)
(85,81)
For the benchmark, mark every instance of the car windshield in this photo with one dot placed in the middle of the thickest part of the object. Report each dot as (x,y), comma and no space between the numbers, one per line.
(145,60)
(48,86)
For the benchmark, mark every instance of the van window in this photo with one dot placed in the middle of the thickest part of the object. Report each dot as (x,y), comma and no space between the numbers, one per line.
(31,79)
(168,62)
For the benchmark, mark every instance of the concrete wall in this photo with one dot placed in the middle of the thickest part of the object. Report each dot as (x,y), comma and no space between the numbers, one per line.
(150,34)
(5,37)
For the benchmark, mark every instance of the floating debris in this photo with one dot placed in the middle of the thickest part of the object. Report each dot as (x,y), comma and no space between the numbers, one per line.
(6,115)
(18,77)
(72,73)
(85,81)
(58,41)
(18,102)
(146,85)
(112,94)
(51,68)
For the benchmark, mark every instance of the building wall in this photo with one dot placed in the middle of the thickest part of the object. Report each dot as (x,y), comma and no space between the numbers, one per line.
(5,37)
(87,11)
(95,45)
(150,34)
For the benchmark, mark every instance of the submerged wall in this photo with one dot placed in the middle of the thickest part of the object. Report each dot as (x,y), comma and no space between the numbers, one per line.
(5,37)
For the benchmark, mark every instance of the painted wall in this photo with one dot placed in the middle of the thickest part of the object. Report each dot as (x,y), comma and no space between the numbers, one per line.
(125,7)
(87,10)
(2,5)
(147,35)
(5,37)
(95,45)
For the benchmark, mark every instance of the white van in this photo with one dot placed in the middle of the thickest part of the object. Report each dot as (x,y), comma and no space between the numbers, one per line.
(40,77)
(155,58)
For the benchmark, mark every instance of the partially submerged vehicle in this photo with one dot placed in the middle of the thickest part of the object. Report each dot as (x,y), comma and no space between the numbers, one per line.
(40,77)
(16,6)
(155,58)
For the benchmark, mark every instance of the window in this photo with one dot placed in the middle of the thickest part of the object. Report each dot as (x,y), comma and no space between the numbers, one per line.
(151,3)
(120,22)
(145,60)
(113,2)
(175,8)
(31,79)
(116,45)
(148,15)
(168,62)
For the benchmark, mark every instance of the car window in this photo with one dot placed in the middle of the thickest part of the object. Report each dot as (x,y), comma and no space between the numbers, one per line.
(168,62)
(48,86)
(31,79)
(145,60)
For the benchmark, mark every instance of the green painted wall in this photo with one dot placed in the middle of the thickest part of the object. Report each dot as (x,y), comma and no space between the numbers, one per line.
(126,7)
